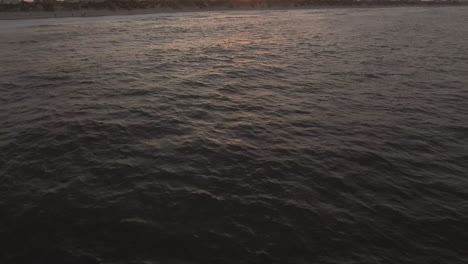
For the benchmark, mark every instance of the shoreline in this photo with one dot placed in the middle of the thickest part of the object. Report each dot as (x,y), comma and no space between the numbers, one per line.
(25,15)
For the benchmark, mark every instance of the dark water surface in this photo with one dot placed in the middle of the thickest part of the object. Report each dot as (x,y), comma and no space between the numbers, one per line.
(311,136)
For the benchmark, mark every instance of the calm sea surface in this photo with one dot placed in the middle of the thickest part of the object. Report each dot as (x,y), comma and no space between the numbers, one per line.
(306,136)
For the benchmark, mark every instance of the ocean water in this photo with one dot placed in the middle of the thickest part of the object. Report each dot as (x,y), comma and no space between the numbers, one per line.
(288,136)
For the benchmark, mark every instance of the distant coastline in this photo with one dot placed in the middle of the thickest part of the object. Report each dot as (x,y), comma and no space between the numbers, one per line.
(53,9)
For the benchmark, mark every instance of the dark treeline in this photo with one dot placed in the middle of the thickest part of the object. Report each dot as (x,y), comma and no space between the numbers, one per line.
(52,5)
